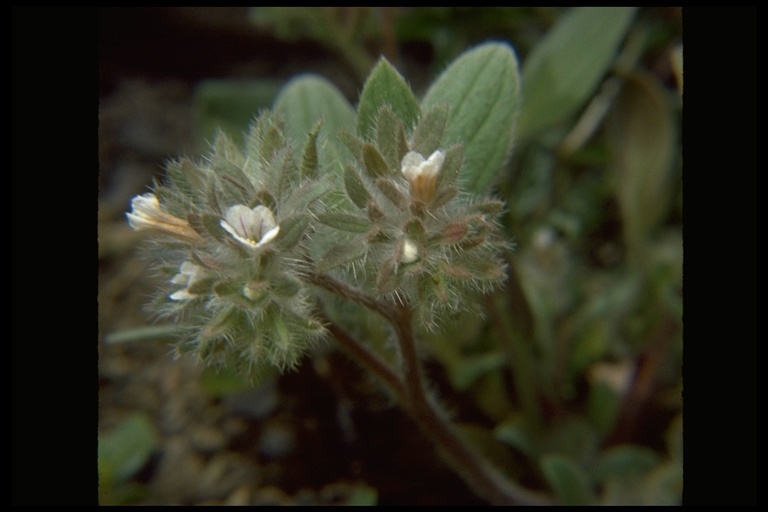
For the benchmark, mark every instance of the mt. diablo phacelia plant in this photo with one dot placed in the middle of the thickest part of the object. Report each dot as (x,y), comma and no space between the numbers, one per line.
(235,234)
(388,210)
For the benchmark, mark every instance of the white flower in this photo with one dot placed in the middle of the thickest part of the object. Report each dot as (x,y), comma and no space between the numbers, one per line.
(251,227)
(410,252)
(422,173)
(146,214)
(189,274)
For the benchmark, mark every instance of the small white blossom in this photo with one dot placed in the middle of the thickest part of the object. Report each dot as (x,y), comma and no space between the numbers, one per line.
(146,214)
(251,227)
(410,252)
(422,173)
(144,209)
(189,273)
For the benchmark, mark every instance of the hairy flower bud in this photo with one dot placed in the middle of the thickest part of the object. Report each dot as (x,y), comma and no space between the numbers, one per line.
(146,214)
(422,173)
(410,252)
(189,274)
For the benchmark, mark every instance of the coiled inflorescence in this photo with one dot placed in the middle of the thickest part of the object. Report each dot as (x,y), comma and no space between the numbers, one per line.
(416,237)
(232,231)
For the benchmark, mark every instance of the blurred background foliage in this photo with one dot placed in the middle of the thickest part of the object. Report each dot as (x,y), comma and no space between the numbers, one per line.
(574,378)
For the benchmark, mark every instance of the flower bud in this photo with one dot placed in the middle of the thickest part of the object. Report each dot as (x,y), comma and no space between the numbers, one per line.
(422,174)
(188,275)
(146,214)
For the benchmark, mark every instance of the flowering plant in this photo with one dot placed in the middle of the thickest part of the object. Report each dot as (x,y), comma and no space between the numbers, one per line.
(388,209)
(378,227)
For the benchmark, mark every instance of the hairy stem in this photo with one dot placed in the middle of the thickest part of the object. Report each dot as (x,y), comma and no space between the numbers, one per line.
(483,478)
(368,359)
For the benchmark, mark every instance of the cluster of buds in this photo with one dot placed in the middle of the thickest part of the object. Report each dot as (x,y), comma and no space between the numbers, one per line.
(231,232)
(416,238)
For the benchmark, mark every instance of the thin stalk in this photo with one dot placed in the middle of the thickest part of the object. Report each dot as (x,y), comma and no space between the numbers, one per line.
(483,478)
(368,359)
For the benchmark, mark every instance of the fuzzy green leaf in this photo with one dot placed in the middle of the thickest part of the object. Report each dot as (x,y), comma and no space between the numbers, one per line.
(567,479)
(206,224)
(282,169)
(264,197)
(385,86)
(303,197)
(565,68)
(444,196)
(482,88)
(454,157)
(303,102)
(488,207)
(186,176)
(340,254)
(309,160)
(345,222)
(415,228)
(393,192)
(355,188)
(429,132)
(353,144)
(374,162)
(291,230)
(388,130)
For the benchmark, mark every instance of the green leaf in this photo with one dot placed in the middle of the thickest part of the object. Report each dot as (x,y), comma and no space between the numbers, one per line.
(393,192)
(385,86)
(340,254)
(304,196)
(124,450)
(144,333)
(355,188)
(429,132)
(624,460)
(482,88)
(345,222)
(565,68)
(472,368)
(230,105)
(568,480)
(309,159)
(374,162)
(303,102)
(414,228)
(643,142)
(454,157)
(292,230)
(388,135)
(206,224)
(514,433)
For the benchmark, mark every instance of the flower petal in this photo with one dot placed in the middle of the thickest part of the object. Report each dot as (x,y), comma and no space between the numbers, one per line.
(252,227)
(269,236)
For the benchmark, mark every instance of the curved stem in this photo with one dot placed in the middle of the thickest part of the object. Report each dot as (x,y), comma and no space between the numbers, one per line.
(473,468)
(483,478)
(368,359)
